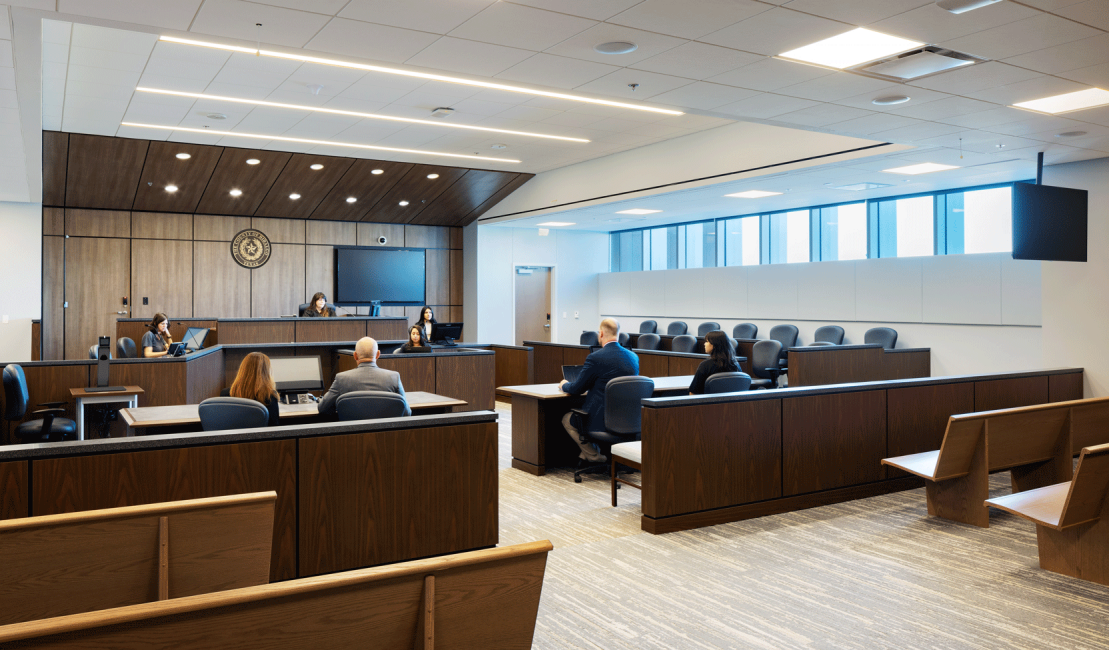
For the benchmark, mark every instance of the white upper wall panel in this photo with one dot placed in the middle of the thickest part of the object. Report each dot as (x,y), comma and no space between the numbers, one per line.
(827,291)
(772,291)
(1021,301)
(962,289)
(888,290)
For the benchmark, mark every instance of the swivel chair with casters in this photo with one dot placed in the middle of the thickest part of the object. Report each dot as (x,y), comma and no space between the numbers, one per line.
(829,334)
(728,382)
(676,328)
(705,328)
(683,343)
(51,428)
(766,364)
(745,331)
(125,348)
(93,354)
(623,339)
(225,413)
(648,327)
(647,342)
(622,419)
(883,336)
(370,405)
(589,338)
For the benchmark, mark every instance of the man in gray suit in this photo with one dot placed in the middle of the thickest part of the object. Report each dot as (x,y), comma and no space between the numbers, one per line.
(367,376)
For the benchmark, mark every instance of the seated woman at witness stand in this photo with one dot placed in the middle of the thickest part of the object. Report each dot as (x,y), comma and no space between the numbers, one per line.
(721,359)
(427,319)
(255,382)
(318,307)
(155,343)
(415,340)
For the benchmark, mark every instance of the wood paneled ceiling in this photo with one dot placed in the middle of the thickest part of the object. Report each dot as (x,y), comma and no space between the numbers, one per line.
(90,171)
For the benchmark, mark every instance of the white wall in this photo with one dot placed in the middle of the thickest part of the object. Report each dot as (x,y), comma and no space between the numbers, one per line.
(978,313)
(576,259)
(20,277)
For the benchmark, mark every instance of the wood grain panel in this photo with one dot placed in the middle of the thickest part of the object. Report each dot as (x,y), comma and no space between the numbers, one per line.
(906,365)
(161,225)
(475,187)
(456,239)
(115,480)
(388,496)
(53,221)
(90,183)
(512,367)
(162,277)
(509,188)
(1008,393)
(233,172)
(1065,387)
(653,365)
(835,365)
(368,233)
(416,188)
(299,177)
(387,330)
(721,455)
(55,158)
(96,281)
(437,273)
(832,441)
(163,168)
(280,231)
(97,223)
(14,483)
(548,363)
(36,340)
(204,377)
(416,373)
(163,381)
(53,297)
(277,288)
(319,271)
(917,417)
(427,237)
(360,182)
(469,378)
(329,330)
(247,331)
(331,233)
(221,288)
(680,366)
(572,357)
(213,228)
(456,291)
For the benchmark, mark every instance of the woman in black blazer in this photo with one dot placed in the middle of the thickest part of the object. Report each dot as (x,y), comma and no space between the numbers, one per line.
(721,359)
(426,322)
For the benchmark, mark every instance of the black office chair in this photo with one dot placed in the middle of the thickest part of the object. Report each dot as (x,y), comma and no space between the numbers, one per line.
(648,327)
(728,382)
(125,348)
(883,336)
(225,413)
(589,338)
(369,405)
(676,328)
(705,328)
(829,334)
(50,428)
(745,331)
(648,342)
(622,339)
(765,364)
(786,335)
(683,343)
(622,418)
(93,353)
(303,308)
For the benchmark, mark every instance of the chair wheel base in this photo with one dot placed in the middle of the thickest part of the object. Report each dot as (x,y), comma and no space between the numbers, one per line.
(577,479)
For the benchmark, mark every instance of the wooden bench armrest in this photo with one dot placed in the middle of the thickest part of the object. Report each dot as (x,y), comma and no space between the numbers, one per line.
(1043,506)
(922,464)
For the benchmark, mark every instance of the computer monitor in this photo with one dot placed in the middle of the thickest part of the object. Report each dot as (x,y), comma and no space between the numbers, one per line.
(446,331)
(296,374)
(194,338)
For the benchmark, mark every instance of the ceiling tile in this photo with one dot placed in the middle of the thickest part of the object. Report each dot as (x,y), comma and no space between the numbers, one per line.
(969,79)
(617,84)
(874,124)
(469,57)
(776,31)
(595,9)
(200,56)
(8,99)
(6,54)
(125,61)
(703,96)
(436,16)
(148,113)
(1023,36)
(917,97)
(179,68)
(765,106)
(556,71)
(581,46)
(321,126)
(856,12)
(1091,12)
(931,24)
(236,19)
(985,119)
(54,52)
(838,85)
(1032,124)
(116,40)
(823,115)
(770,74)
(171,14)
(916,132)
(947,107)
(697,61)
(523,27)
(7,78)
(328,7)
(675,17)
(53,31)
(1068,56)
(370,41)
(1023,91)
(269,121)
(6,30)
(1095,75)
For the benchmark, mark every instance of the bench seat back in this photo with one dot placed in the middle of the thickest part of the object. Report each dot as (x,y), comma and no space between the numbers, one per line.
(1086,498)
(959,442)
(1024,437)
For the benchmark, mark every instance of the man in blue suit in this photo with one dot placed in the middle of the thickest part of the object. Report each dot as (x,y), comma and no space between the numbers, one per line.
(611,361)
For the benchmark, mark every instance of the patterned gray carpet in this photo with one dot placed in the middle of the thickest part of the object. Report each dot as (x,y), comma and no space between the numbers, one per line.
(874,573)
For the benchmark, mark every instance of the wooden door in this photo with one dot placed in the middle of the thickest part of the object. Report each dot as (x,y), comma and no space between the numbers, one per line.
(533,304)
(97,279)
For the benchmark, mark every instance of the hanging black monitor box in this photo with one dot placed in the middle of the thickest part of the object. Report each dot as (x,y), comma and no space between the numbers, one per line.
(1049,223)
(365,275)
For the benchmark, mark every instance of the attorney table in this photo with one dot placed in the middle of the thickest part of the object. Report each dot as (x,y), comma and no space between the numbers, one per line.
(129,394)
(538,410)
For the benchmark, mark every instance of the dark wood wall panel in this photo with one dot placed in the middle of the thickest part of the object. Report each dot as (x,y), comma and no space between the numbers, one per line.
(161,225)
(415,374)
(456,238)
(53,221)
(163,167)
(299,177)
(13,489)
(917,417)
(97,223)
(319,271)
(55,158)
(331,233)
(162,278)
(205,378)
(832,441)
(454,376)
(437,272)
(280,231)
(464,196)
(103,172)
(363,184)
(1009,393)
(210,228)
(277,288)
(654,365)
(328,329)
(368,234)
(427,237)
(455,274)
(513,366)
(97,279)
(53,297)
(221,288)
(1065,387)
(164,384)
(415,188)
(233,172)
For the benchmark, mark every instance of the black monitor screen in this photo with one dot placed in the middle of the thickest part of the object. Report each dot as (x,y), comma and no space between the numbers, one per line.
(394,276)
(296,373)
(1049,223)
(443,331)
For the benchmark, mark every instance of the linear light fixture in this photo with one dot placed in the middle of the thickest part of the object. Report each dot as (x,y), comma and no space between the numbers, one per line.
(1067,102)
(558,223)
(421,75)
(850,48)
(753,194)
(335,111)
(638,211)
(309,141)
(922,168)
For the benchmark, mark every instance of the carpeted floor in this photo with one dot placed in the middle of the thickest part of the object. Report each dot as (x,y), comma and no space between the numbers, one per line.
(873,573)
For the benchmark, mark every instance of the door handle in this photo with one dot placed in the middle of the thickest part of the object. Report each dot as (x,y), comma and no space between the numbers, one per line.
(548,326)
(122,312)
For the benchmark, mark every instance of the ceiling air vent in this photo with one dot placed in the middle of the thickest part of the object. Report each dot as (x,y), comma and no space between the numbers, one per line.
(919,63)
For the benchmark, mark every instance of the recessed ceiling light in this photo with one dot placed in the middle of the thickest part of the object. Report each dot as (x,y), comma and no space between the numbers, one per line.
(216,116)
(332,143)
(638,211)
(377,171)
(419,75)
(433,176)
(890,100)
(335,111)
(1067,102)
(316,167)
(850,48)
(403,203)
(615,47)
(171,188)
(1070,134)
(183,156)
(236,192)
(753,194)
(294,196)
(922,168)
(557,223)
(858,187)
(252,161)
(441,112)
(963,6)
(351,199)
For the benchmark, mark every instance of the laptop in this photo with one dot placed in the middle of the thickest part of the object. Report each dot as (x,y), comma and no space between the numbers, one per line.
(176,350)
(194,338)
(422,349)
(571,373)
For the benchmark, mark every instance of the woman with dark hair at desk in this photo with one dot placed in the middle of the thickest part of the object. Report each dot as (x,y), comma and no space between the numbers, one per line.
(427,320)
(155,343)
(318,307)
(255,382)
(721,359)
(415,340)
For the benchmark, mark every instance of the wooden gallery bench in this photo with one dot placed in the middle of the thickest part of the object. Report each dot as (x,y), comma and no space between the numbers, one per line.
(1072,518)
(1036,443)
(481,599)
(58,565)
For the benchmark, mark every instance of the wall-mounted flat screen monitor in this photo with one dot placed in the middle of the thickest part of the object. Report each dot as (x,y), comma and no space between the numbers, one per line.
(296,373)
(393,276)
(1049,223)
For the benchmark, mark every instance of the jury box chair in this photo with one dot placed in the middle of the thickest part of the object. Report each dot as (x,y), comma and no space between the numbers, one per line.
(648,327)
(224,413)
(125,348)
(883,336)
(786,335)
(622,418)
(829,334)
(369,405)
(706,327)
(683,343)
(51,428)
(676,328)
(648,342)
(589,338)
(623,339)
(766,363)
(745,331)
(728,382)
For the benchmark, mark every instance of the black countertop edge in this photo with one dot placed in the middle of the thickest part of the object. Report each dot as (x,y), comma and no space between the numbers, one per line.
(561,345)
(498,345)
(203,438)
(831,389)
(908,350)
(268,319)
(92,362)
(859,346)
(172,320)
(449,352)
